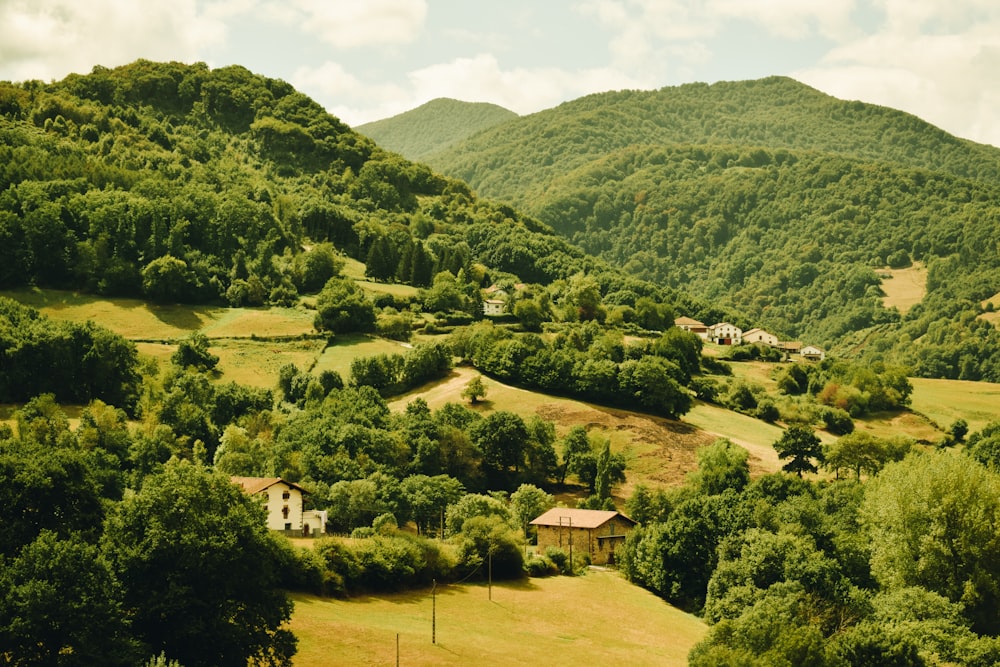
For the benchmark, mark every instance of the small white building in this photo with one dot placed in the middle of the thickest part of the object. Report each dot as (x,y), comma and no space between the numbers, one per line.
(725,333)
(760,336)
(813,353)
(283,502)
(493,306)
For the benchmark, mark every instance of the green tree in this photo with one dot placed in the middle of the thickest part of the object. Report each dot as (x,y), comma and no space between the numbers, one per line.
(801,447)
(342,308)
(167,279)
(575,448)
(193,351)
(529,502)
(501,437)
(934,522)
(474,390)
(722,465)
(62,605)
(199,571)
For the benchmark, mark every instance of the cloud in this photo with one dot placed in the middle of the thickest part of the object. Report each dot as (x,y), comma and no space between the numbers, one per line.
(349,24)
(47,39)
(945,74)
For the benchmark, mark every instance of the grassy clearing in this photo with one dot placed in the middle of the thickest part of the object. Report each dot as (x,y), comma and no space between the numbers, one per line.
(753,434)
(347,347)
(944,401)
(256,363)
(557,621)
(135,319)
(904,288)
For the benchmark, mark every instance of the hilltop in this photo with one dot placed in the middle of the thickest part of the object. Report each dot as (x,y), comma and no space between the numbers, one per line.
(773,200)
(434,126)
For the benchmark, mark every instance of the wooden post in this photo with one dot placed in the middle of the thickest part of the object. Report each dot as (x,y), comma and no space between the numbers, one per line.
(434,585)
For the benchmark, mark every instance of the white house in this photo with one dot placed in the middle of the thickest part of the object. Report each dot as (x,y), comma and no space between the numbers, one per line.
(493,306)
(760,336)
(283,502)
(813,352)
(725,333)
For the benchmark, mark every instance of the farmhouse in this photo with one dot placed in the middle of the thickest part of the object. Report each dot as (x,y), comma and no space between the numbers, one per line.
(596,533)
(283,502)
(692,325)
(493,306)
(760,336)
(725,333)
(813,353)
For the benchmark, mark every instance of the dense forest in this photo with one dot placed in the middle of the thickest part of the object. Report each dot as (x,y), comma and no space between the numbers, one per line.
(773,200)
(434,126)
(184,184)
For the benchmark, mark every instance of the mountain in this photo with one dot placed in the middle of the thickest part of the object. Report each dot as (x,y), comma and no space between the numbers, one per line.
(182,183)
(770,199)
(434,126)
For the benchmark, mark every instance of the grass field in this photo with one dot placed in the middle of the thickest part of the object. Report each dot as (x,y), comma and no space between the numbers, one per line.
(904,288)
(555,621)
(347,347)
(944,401)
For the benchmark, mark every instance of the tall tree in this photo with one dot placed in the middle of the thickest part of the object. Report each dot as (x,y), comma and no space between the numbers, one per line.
(199,570)
(801,447)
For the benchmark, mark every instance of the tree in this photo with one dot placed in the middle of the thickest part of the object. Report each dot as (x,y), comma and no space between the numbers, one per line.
(167,279)
(501,437)
(62,605)
(474,390)
(934,521)
(575,448)
(801,446)
(528,502)
(193,351)
(342,308)
(722,465)
(199,570)
(609,470)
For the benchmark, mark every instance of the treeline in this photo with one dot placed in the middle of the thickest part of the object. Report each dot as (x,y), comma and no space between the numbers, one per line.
(894,568)
(587,362)
(75,362)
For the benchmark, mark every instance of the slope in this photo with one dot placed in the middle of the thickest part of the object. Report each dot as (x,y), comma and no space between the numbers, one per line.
(520,160)
(434,126)
(770,199)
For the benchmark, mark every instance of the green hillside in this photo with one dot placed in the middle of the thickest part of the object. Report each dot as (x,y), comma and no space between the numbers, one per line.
(770,199)
(434,126)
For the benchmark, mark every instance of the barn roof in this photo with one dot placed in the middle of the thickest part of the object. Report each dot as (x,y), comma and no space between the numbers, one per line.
(577,518)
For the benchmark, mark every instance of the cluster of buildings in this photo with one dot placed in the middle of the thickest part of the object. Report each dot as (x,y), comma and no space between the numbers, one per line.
(725,333)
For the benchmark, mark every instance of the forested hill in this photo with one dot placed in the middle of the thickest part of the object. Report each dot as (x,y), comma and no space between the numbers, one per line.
(772,199)
(518,161)
(434,126)
(181,183)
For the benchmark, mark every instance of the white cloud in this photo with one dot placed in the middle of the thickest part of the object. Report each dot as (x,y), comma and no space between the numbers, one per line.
(47,39)
(348,24)
(947,77)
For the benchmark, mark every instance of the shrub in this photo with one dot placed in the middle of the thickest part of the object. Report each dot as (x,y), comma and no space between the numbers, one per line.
(541,566)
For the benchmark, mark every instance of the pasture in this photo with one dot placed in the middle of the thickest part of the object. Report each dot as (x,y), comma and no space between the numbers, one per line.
(552,621)
(904,288)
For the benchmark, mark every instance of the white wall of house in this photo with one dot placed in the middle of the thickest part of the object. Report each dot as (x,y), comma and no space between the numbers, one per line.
(493,307)
(284,507)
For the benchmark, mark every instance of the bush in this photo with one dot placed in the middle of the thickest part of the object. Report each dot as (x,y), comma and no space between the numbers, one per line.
(838,422)
(541,566)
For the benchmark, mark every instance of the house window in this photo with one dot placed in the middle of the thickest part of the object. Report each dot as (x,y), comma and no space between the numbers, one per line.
(284,511)
(286,495)
(288,526)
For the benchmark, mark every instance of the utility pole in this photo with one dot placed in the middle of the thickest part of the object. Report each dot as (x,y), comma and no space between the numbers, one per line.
(491,572)
(434,585)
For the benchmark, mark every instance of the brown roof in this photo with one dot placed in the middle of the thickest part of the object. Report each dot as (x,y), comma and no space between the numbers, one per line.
(254,485)
(687,321)
(567,516)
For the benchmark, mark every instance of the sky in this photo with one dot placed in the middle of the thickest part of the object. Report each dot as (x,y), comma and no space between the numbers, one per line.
(370,59)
